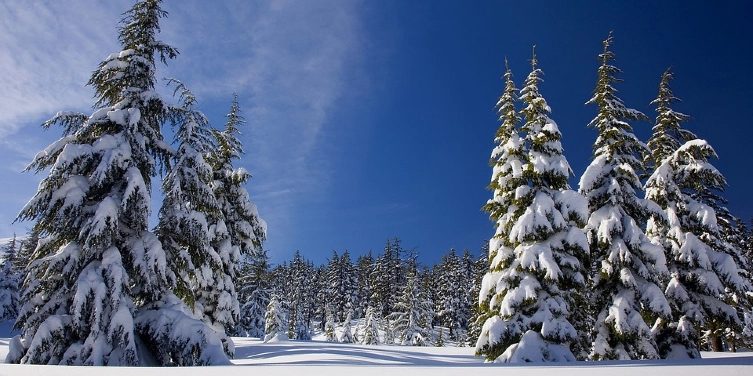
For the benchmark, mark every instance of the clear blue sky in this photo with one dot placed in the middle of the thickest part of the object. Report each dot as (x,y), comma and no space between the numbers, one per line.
(375,119)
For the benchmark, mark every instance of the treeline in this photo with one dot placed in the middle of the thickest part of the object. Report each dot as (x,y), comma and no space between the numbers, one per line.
(389,292)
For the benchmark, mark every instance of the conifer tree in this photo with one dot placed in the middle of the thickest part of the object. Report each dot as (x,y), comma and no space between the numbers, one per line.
(235,230)
(536,251)
(702,267)
(371,328)
(10,276)
(254,293)
(625,265)
(99,278)
(188,202)
(329,326)
(274,319)
(347,334)
(413,313)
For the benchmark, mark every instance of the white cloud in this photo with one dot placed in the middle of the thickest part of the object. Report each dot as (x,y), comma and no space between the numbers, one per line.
(288,60)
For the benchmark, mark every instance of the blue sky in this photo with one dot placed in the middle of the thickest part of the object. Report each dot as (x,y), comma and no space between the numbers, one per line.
(375,119)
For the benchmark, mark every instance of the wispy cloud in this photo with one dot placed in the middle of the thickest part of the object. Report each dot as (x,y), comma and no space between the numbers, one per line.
(49,51)
(288,60)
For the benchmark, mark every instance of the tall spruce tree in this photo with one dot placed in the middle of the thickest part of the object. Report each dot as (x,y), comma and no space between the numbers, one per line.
(413,313)
(253,294)
(703,273)
(236,230)
(625,265)
(98,274)
(536,251)
(188,202)
(10,278)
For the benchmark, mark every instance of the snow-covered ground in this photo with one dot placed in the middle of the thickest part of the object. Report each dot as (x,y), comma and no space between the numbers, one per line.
(320,358)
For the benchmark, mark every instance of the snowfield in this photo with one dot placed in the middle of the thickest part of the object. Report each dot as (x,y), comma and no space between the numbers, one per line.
(320,358)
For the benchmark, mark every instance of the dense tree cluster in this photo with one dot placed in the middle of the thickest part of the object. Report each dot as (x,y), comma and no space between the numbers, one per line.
(630,277)
(309,298)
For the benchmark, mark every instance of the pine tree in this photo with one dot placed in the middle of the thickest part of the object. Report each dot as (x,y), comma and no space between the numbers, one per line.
(536,251)
(702,267)
(625,265)
(99,278)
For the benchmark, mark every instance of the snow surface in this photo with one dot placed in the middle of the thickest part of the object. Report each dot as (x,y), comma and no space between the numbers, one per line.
(318,357)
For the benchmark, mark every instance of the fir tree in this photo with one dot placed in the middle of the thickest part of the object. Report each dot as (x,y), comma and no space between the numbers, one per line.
(702,267)
(625,265)
(536,251)
(99,278)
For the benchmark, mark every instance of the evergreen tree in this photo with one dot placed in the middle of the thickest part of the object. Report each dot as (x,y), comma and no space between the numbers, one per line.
(99,278)
(364,266)
(188,203)
(702,268)
(450,293)
(10,300)
(625,265)
(371,328)
(477,316)
(388,274)
(274,320)
(253,294)
(536,251)
(329,327)
(236,230)
(347,334)
(413,313)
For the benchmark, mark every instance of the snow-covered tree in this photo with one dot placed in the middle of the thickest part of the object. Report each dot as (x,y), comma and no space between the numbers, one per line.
(371,327)
(451,291)
(188,203)
(329,326)
(236,230)
(275,319)
(99,279)
(341,285)
(10,276)
(413,313)
(537,249)
(364,266)
(625,265)
(253,294)
(702,267)
(347,334)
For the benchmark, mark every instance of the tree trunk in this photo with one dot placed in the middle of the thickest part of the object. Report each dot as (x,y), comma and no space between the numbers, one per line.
(716,343)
